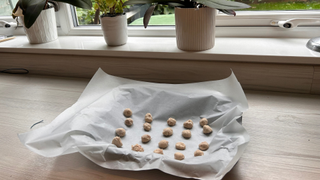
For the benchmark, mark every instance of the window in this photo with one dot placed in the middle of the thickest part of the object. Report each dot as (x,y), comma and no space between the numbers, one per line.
(253,22)
(248,22)
(6,7)
(164,14)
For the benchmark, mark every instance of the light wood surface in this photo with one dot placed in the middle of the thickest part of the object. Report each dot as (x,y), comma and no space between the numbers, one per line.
(284,130)
(253,76)
(316,81)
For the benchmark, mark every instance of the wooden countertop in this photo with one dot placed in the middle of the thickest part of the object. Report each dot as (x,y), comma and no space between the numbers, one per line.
(284,130)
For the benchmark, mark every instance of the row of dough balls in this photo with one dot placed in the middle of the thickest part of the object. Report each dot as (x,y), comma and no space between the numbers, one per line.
(163,144)
(171,122)
(188,125)
(181,146)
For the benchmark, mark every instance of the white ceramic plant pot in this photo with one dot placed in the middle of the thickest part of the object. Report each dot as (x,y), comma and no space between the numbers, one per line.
(114,29)
(195,28)
(44,28)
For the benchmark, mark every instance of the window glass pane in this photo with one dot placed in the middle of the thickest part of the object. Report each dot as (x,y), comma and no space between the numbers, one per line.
(6,7)
(164,14)
(265,5)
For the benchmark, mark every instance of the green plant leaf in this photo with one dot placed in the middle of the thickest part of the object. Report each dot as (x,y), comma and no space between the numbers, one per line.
(223,4)
(85,4)
(31,13)
(27,3)
(147,15)
(174,4)
(132,2)
(15,9)
(228,11)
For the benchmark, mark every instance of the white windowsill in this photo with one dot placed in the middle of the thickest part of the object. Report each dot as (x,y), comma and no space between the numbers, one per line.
(260,50)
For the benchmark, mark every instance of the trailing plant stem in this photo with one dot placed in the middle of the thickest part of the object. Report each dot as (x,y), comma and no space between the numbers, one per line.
(46,5)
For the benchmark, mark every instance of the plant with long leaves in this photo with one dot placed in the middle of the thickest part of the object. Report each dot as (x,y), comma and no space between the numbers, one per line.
(224,6)
(31,9)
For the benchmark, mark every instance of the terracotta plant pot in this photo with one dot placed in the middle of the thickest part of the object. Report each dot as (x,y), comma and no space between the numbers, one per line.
(114,29)
(195,28)
(44,28)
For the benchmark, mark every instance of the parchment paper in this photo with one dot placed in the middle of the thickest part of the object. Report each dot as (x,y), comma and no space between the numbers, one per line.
(89,125)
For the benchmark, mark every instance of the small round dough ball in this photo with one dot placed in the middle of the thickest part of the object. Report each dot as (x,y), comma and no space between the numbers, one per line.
(203,121)
(178,156)
(117,141)
(167,132)
(188,124)
(198,153)
(128,122)
(148,118)
(137,148)
(145,138)
(186,134)
(171,122)
(180,146)
(147,126)
(163,144)
(127,112)
(203,146)
(121,132)
(207,129)
(158,151)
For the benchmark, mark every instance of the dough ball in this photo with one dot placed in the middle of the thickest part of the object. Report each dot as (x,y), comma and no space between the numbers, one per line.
(167,132)
(171,122)
(203,146)
(127,112)
(178,156)
(198,153)
(207,129)
(145,138)
(163,144)
(203,121)
(180,146)
(128,122)
(117,141)
(186,134)
(158,151)
(188,124)
(121,132)
(147,126)
(137,148)
(148,118)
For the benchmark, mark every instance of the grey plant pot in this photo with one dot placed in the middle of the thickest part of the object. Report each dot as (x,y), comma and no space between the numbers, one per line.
(114,29)
(44,28)
(195,28)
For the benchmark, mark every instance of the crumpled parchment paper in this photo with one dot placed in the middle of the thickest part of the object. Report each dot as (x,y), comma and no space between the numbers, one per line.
(89,125)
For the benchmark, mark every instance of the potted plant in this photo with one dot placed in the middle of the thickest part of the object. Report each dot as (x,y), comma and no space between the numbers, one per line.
(39,20)
(195,19)
(113,22)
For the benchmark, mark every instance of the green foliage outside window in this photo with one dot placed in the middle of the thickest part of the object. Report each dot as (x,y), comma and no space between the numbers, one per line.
(86,16)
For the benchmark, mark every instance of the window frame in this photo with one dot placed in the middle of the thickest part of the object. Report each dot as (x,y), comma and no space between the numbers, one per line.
(245,24)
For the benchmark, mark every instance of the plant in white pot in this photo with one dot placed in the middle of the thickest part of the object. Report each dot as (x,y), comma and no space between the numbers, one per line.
(39,20)
(113,22)
(195,19)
